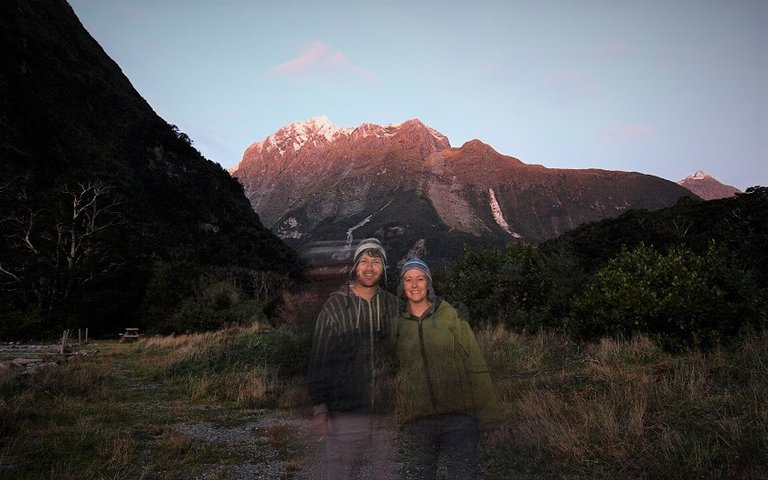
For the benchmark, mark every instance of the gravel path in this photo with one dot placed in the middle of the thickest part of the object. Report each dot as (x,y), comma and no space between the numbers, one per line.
(278,444)
(281,446)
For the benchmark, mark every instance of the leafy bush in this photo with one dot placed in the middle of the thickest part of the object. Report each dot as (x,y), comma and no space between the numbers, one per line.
(298,308)
(193,298)
(510,286)
(679,298)
(194,316)
(738,223)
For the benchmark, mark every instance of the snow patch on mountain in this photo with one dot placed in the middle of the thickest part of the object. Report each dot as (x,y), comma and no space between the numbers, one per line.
(699,175)
(707,187)
(347,248)
(498,216)
(315,128)
(320,129)
(289,229)
(436,134)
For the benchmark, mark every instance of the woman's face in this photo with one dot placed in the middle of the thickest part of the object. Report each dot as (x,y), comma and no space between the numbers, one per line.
(415,285)
(369,270)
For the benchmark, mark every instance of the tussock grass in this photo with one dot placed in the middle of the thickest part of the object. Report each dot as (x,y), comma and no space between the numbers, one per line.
(610,409)
(626,409)
(245,365)
(51,427)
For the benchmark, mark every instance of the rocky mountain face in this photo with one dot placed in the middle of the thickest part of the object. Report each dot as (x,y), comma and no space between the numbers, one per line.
(314,183)
(707,187)
(96,189)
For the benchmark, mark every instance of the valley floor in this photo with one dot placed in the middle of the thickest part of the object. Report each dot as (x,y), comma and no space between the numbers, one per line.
(127,425)
(205,407)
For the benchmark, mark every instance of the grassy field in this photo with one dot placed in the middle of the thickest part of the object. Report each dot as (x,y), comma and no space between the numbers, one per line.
(230,404)
(160,408)
(626,409)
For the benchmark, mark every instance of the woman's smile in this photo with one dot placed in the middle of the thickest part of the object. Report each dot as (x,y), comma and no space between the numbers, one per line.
(415,285)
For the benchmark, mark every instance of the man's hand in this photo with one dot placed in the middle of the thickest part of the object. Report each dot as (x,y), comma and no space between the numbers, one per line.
(321,424)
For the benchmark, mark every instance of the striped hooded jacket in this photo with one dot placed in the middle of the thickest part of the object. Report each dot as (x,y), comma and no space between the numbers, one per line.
(351,365)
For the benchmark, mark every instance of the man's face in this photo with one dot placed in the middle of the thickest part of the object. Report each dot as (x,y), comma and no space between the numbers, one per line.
(369,270)
(415,285)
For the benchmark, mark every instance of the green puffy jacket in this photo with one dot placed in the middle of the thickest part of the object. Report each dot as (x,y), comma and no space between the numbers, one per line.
(442,369)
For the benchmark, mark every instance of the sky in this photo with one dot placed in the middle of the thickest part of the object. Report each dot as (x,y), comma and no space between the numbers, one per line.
(663,87)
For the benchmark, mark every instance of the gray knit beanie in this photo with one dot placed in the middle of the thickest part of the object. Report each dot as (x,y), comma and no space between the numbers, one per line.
(369,244)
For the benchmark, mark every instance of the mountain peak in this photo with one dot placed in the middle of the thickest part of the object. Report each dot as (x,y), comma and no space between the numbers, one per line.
(320,129)
(315,127)
(314,123)
(477,147)
(291,137)
(416,123)
(707,187)
(699,175)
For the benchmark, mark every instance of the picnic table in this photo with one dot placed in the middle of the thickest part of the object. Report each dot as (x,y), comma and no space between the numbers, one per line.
(130,334)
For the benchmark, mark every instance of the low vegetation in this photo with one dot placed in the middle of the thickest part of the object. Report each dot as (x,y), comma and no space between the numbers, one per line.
(142,410)
(601,409)
(628,409)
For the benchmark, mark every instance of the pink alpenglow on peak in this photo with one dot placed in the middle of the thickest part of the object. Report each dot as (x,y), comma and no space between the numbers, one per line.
(319,130)
(405,182)
(699,175)
(707,187)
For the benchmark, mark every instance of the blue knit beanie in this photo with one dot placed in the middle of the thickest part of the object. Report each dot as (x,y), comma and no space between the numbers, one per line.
(416,263)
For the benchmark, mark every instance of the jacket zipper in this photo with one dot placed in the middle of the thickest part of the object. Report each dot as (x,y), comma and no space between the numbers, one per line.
(427,373)
(372,354)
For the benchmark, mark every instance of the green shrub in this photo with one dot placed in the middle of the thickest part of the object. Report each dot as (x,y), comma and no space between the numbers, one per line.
(679,298)
(195,315)
(185,298)
(510,286)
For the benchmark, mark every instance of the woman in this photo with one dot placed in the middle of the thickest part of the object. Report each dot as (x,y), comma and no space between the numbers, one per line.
(445,394)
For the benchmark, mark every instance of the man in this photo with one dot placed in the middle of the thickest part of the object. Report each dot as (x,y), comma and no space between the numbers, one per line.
(350,372)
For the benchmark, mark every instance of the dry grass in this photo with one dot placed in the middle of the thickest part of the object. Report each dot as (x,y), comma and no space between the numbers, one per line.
(248,389)
(609,409)
(161,352)
(245,365)
(626,409)
(218,366)
(111,415)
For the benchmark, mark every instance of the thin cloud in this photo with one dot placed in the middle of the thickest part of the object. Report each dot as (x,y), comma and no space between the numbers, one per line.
(318,57)
(570,86)
(611,49)
(626,133)
(570,80)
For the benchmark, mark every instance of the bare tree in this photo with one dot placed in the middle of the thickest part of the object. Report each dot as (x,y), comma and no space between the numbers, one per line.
(57,249)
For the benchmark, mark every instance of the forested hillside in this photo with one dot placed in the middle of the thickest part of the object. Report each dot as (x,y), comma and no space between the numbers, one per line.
(693,274)
(100,196)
